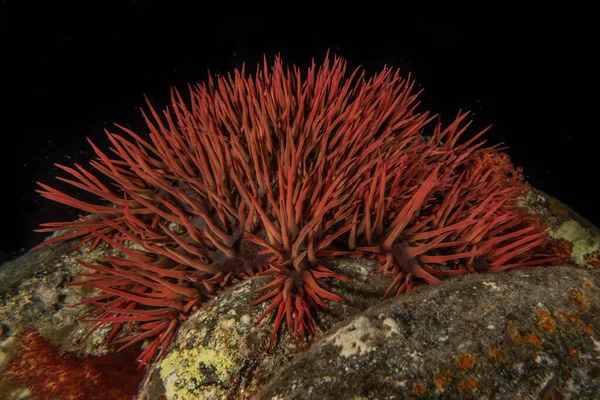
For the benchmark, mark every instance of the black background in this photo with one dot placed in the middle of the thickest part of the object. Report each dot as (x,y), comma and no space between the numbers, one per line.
(68,72)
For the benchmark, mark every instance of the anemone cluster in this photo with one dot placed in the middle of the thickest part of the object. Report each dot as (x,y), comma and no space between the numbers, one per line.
(275,172)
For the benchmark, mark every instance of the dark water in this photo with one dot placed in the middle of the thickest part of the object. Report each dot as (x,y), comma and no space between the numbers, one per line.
(65,78)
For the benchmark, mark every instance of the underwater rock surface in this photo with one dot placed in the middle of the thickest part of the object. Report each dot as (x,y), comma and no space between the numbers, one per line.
(511,335)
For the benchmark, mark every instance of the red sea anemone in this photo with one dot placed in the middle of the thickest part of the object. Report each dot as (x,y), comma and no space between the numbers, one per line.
(274,173)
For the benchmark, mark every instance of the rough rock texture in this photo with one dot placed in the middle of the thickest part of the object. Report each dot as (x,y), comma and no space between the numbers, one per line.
(509,335)
(37,296)
(12,273)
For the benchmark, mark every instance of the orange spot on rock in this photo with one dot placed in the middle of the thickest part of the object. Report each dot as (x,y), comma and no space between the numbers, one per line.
(466,361)
(514,334)
(519,339)
(546,323)
(547,326)
(578,296)
(535,339)
(512,330)
(574,352)
(418,389)
(543,314)
(570,317)
(496,354)
(443,380)
(467,385)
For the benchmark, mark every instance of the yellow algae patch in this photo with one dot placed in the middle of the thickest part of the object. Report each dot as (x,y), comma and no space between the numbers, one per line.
(190,373)
(583,240)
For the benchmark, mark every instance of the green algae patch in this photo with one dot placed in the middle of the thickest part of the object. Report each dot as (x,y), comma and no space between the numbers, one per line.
(189,373)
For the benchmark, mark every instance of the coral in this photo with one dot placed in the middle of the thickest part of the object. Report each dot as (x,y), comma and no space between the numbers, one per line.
(274,173)
(49,374)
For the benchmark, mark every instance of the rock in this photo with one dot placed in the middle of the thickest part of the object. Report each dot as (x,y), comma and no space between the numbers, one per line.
(508,335)
(36,295)
(13,273)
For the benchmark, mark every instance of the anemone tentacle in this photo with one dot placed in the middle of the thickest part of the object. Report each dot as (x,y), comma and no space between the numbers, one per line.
(271,174)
